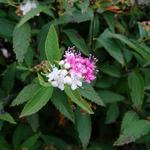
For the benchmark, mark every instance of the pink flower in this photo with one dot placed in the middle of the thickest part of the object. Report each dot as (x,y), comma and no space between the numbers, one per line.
(86,67)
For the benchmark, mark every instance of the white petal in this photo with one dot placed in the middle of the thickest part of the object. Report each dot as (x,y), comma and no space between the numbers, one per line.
(79,83)
(61,86)
(67,65)
(68,80)
(54,83)
(64,72)
(61,62)
(73,86)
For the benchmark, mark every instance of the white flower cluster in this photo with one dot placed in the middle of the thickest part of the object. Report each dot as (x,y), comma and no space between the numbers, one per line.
(28,5)
(61,77)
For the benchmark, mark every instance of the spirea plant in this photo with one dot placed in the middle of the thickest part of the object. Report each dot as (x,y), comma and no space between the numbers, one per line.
(75,75)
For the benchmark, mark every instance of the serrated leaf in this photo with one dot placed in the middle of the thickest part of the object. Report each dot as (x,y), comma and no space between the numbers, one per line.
(76,98)
(21,41)
(9,78)
(136,86)
(59,99)
(134,131)
(83,125)
(52,50)
(77,40)
(112,47)
(88,92)
(31,14)
(29,142)
(110,97)
(39,100)
(7,117)
(25,94)
(129,117)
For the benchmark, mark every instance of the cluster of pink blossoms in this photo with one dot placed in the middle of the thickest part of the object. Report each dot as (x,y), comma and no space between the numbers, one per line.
(85,67)
(74,69)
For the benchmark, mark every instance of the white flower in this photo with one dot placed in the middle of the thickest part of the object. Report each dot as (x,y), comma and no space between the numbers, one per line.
(5,52)
(67,65)
(76,81)
(27,6)
(61,62)
(68,80)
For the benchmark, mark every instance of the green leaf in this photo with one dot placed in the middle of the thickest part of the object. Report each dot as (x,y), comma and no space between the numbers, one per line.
(21,41)
(83,125)
(110,97)
(112,113)
(136,46)
(9,78)
(29,143)
(39,100)
(31,14)
(76,98)
(136,86)
(24,131)
(87,91)
(60,101)
(129,117)
(33,120)
(52,50)
(42,82)
(7,117)
(77,40)
(134,131)
(6,28)
(25,94)
(3,144)
(110,70)
(112,47)
(53,140)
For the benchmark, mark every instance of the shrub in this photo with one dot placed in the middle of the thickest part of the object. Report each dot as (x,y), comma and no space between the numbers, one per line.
(42,109)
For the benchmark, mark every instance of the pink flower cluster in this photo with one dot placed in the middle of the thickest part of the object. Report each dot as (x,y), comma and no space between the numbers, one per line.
(81,66)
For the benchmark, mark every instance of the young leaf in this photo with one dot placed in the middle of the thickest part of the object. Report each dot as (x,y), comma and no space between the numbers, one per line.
(39,100)
(52,50)
(7,117)
(136,86)
(83,125)
(88,92)
(21,41)
(59,99)
(26,93)
(76,98)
